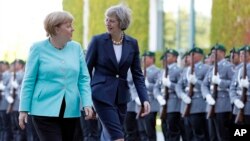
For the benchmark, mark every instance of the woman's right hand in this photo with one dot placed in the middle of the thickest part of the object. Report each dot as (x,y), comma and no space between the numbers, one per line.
(23,119)
(146,107)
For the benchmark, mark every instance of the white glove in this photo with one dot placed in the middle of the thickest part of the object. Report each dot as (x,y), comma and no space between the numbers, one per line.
(166,82)
(14,84)
(238,103)
(192,78)
(161,100)
(216,79)
(210,100)
(146,83)
(186,99)
(2,87)
(244,83)
(137,101)
(9,99)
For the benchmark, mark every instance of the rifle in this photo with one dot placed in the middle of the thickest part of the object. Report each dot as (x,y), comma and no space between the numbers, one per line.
(191,89)
(240,115)
(145,74)
(211,111)
(13,95)
(163,115)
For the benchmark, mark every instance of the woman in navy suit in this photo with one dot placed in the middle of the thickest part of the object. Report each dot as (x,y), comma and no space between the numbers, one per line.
(108,58)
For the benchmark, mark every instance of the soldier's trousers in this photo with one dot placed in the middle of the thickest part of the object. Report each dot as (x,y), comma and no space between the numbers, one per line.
(131,128)
(198,124)
(17,133)
(147,127)
(5,130)
(30,131)
(218,127)
(91,129)
(173,126)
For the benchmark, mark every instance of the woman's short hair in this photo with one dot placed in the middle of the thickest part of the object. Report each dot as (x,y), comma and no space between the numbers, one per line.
(123,14)
(54,20)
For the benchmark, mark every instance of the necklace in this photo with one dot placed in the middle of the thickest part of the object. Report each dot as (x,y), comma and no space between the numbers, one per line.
(119,42)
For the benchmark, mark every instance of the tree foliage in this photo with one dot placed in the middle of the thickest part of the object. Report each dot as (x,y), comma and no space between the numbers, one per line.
(75,7)
(230,23)
(202,31)
(138,28)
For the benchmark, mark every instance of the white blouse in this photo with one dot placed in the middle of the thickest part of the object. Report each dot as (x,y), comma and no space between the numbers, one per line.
(118,52)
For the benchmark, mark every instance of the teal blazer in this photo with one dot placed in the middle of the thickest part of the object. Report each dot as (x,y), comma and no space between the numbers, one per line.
(52,74)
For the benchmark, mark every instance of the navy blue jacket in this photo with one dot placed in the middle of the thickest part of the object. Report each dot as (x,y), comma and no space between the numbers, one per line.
(109,78)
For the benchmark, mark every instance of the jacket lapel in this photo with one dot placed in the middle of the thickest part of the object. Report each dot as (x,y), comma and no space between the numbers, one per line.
(125,51)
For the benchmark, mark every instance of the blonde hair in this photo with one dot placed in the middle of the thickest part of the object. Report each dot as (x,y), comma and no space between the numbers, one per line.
(123,14)
(54,20)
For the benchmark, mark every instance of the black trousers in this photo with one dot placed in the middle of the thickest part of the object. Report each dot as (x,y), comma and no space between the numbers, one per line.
(30,131)
(17,133)
(131,128)
(173,126)
(218,127)
(55,128)
(199,127)
(146,126)
(5,127)
(91,129)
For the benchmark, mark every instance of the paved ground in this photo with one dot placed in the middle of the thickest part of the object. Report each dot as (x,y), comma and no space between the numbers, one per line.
(160,136)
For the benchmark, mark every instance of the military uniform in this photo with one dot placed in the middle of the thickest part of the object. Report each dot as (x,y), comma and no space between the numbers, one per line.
(130,124)
(197,117)
(236,92)
(17,133)
(147,124)
(5,130)
(173,102)
(217,129)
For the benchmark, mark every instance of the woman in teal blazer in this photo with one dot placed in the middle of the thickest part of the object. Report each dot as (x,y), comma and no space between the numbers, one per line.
(56,82)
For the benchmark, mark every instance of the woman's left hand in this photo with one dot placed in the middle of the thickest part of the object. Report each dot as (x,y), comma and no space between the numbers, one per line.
(88,112)
(146,109)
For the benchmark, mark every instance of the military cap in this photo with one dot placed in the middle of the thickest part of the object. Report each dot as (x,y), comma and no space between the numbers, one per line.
(5,63)
(148,53)
(19,61)
(172,51)
(185,54)
(196,50)
(220,47)
(233,50)
(247,48)
(241,48)
(162,56)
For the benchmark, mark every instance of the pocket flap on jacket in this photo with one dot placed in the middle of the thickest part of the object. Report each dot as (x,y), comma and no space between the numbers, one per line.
(97,80)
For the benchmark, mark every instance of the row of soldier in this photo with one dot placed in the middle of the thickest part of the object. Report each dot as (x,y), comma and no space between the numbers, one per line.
(11,77)
(196,101)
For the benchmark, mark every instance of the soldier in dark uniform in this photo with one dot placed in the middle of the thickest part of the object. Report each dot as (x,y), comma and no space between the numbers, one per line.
(173,102)
(219,124)
(196,117)
(5,131)
(14,87)
(148,123)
